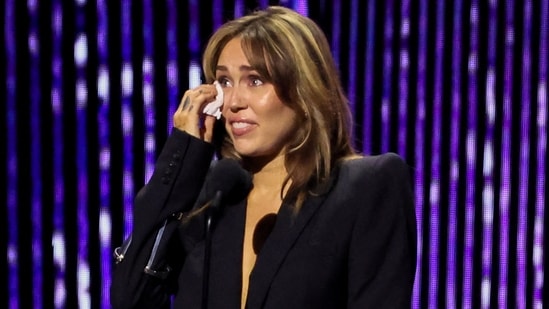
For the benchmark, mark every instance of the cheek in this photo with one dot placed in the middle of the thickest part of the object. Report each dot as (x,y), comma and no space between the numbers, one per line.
(226,126)
(225,106)
(287,124)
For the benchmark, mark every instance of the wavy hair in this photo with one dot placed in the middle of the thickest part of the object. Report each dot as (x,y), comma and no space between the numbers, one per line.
(291,52)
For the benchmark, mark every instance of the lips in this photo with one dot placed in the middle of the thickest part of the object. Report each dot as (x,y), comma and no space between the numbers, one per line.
(241,127)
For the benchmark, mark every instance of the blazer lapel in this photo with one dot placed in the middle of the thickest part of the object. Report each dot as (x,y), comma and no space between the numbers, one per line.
(285,232)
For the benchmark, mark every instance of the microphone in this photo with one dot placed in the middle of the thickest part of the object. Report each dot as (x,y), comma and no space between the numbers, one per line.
(228,182)
(230,179)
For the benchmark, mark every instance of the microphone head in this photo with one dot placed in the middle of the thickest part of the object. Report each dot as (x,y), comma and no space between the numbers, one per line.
(229,177)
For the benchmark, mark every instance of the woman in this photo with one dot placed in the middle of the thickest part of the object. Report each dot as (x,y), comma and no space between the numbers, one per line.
(320,226)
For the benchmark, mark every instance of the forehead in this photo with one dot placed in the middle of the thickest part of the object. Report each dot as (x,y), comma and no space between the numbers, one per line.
(232,52)
(245,54)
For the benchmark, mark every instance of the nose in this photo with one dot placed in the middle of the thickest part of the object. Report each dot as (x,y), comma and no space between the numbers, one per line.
(234,100)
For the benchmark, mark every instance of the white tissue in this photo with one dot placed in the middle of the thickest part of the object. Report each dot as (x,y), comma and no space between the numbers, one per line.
(214,108)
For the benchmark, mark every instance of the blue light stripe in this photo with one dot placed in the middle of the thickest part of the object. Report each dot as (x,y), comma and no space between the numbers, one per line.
(217,13)
(488,159)
(336,30)
(36,155)
(103,94)
(194,44)
(127,120)
(353,40)
(541,197)
(239,8)
(455,147)
(387,76)
(505,167)
(419,165)
(524,155)
(471,152)
(262,3)
(58,235)
(301,6)
(172,70)
(369,78)
(148,90)
(403,78)
(11,154)
(81,92)
(436,140)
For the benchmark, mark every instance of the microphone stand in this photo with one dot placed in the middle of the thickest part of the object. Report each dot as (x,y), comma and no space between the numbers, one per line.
(211,212)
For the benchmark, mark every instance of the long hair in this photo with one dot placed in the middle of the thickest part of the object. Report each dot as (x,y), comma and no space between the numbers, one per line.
(291,52)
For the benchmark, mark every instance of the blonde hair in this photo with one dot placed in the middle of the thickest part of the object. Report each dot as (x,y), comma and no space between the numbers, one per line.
(291,52)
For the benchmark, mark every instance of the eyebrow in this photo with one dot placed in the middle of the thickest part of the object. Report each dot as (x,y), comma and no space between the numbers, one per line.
(241,68)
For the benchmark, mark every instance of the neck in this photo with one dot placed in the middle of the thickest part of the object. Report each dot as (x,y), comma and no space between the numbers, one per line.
(267,174)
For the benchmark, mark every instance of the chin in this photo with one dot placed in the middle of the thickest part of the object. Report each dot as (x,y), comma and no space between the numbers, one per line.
(244,148)
(243,151)
(247,154)
(250,150)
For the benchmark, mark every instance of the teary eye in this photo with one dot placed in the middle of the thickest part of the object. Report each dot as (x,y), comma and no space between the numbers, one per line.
(224,81)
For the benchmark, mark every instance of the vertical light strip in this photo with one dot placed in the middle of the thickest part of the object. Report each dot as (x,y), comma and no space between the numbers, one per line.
(11,154)
(103,94)
(81,92)
(127,113)
(238,8)
(403,79)
(262,3)
(217,11)
(302,7)
(419,149)
(488,159)
(455,146)
(471,153)
(58,235)
(351,64)
(172,70)
(36,157)
(148,89)
(369,78)
(542,98)
(505,167)
(336,31)
(524,153)
(434,188)
(194,44)
(388,34)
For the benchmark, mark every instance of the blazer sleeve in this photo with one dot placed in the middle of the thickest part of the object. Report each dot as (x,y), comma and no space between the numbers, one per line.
(382,259)
(173,188)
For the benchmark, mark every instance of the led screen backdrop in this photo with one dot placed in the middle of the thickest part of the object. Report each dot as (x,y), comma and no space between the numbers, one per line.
(458,88)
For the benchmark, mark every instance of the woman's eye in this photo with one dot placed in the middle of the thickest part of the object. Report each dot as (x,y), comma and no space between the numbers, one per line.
(256,81)
(224,82)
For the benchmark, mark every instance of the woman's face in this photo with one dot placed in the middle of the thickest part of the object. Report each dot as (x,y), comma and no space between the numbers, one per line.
(257,121)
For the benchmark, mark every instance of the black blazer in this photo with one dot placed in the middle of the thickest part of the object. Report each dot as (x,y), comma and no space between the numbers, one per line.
(353,246)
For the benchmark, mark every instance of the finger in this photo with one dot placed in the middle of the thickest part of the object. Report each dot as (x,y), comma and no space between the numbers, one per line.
(205,90)
(186,103)
(183,118)
(207,129)
(188,116)
(195,98)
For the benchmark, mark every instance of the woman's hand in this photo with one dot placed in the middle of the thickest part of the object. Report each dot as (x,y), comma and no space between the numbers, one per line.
(189,116)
